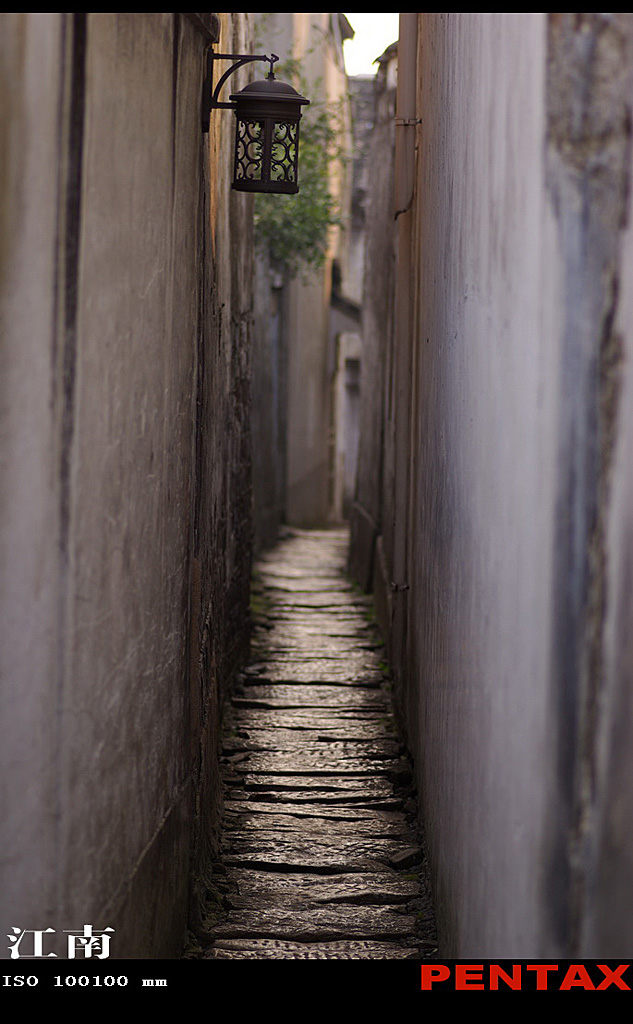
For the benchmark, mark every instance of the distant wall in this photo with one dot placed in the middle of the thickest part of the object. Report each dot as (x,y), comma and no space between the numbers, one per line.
(377,325)
(270,405)
(295,362)
(125,519)
(504,522)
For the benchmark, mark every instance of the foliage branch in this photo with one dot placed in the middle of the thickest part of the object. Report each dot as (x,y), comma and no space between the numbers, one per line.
(293,230)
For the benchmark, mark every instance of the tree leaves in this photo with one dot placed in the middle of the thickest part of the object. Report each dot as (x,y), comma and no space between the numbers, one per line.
(294,230)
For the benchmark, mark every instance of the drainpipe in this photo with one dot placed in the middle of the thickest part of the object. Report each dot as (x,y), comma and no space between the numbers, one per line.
(403,334)
(406,120)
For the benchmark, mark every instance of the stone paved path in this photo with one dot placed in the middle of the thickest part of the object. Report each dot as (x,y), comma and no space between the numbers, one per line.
(321,859)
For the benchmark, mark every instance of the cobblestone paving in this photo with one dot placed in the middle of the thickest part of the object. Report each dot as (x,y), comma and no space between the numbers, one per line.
(321,858)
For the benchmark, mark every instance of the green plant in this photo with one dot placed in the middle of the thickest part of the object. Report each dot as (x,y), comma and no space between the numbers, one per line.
(294,230)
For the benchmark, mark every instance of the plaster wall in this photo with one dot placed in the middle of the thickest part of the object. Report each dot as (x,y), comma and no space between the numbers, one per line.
(485,358)
(502,559)
(126,504)
(29,530)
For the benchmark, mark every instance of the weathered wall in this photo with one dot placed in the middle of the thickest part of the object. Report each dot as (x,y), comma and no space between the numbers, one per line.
(589,99)
(507,555)
(125,523)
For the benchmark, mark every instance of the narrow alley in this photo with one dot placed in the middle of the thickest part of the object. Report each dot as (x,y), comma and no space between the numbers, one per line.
(320,848)
(316,402)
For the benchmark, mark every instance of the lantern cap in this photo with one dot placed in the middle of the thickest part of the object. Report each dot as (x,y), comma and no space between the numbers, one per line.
(270,89)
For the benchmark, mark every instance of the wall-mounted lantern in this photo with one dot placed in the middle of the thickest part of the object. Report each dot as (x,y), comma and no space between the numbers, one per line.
(267,117)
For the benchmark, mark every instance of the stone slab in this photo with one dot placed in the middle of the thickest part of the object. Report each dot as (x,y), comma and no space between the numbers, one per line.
(275,949)
(316,924)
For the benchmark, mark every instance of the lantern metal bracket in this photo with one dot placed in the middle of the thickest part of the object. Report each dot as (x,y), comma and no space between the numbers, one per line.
(210,95)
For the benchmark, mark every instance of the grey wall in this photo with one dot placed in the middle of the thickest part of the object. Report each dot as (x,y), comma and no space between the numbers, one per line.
(504,456)
(125,523)
(270,404)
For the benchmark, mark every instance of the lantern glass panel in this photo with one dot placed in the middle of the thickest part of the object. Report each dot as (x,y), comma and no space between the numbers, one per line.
(284,152)
(249,150)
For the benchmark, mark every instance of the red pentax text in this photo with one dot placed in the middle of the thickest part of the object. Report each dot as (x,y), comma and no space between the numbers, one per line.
(525,976)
